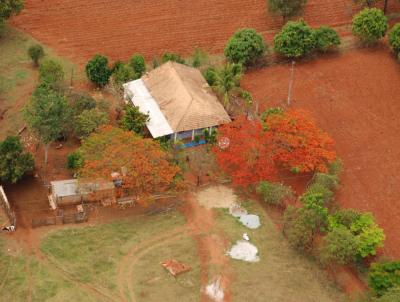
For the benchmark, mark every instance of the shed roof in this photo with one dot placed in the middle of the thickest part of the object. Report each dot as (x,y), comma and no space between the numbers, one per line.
(71,187)
(181,95)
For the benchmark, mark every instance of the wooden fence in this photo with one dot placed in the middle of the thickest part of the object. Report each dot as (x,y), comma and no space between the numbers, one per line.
(9,212)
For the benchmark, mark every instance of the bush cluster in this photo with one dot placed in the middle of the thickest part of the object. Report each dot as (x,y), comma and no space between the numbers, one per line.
(274,193)
(384,276)
(370,25)
(394,39)
(298,39)
(358,230)
(36,52)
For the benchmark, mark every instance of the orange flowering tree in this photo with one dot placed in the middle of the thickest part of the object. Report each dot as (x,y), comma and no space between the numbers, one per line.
(142,164)
(246,157)
(251,151)
(298,144)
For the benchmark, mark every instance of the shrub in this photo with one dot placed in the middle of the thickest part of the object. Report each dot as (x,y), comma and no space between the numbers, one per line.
(97,70)
(297,228)
(138,64)
(384,276)
(286,8)
(210,138)
(335,167)
(326,38)
(370,25)
(123,73)
(81,102)
(172,57)
(392,295)
(274,193)
(369,235)
(343,217)
(134,120)
(329,181)
(210,76)
(199,57)
(247,97)
(394,38)
(75,161)
(51,72)
(36,52)
(245,47)
(89,121)
(315,188)
(295,40)
(315,202)
(339,246)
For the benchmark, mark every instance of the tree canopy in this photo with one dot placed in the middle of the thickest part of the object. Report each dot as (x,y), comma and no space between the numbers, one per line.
(14,161)
(143,165)
(47,114)
(286,8)
(288,140)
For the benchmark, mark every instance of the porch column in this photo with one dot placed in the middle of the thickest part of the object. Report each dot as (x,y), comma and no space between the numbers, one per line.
(192,135)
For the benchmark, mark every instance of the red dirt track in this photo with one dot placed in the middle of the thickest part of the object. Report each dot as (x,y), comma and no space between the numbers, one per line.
(118,28)
(355,97)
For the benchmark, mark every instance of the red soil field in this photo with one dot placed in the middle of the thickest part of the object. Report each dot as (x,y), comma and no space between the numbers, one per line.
(355,97)
(119,28)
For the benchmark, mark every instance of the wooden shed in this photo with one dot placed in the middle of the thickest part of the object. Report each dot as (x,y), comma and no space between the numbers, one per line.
(72,191)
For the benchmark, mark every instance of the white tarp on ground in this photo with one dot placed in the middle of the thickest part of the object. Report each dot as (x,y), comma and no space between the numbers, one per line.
(245,251)
(214,290)
(251,221)
(137,92)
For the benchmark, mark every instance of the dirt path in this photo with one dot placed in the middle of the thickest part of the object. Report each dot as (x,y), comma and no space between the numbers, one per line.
(125,267)
(211,246)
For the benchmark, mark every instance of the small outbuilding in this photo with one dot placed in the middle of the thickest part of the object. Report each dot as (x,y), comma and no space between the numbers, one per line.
(178,100)
(72,192)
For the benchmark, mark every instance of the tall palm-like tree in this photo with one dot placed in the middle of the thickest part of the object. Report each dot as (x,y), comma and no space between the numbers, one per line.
(227,81)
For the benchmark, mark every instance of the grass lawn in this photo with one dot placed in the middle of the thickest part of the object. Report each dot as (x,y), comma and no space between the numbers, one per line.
(155,284)
(24,277)
(18,77)
(282,274)
(92,254)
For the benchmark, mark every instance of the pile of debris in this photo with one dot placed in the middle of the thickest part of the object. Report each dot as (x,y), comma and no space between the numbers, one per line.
(174,267)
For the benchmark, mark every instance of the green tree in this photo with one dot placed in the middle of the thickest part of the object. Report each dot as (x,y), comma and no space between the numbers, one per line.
(89,121)
(326,38)
(14,161)
(245,47)
(133,119)
(80,102)
(138,64)
(75,161)
(339,246)
(47,115)
(384,276)
(394,39)
(210,74)
(9,8)
(227,80)
(392,295)
(168,56)
(51,72)
(122,74)
(286,8)
(370,25)
(295,40)
(97,70)
(36,52)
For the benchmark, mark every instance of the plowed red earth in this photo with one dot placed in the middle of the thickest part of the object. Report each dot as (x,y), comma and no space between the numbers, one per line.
(118,28)
(355,97)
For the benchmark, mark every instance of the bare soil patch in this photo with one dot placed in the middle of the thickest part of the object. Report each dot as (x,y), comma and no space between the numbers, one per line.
(216,197)
(79,29)
(354,97)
